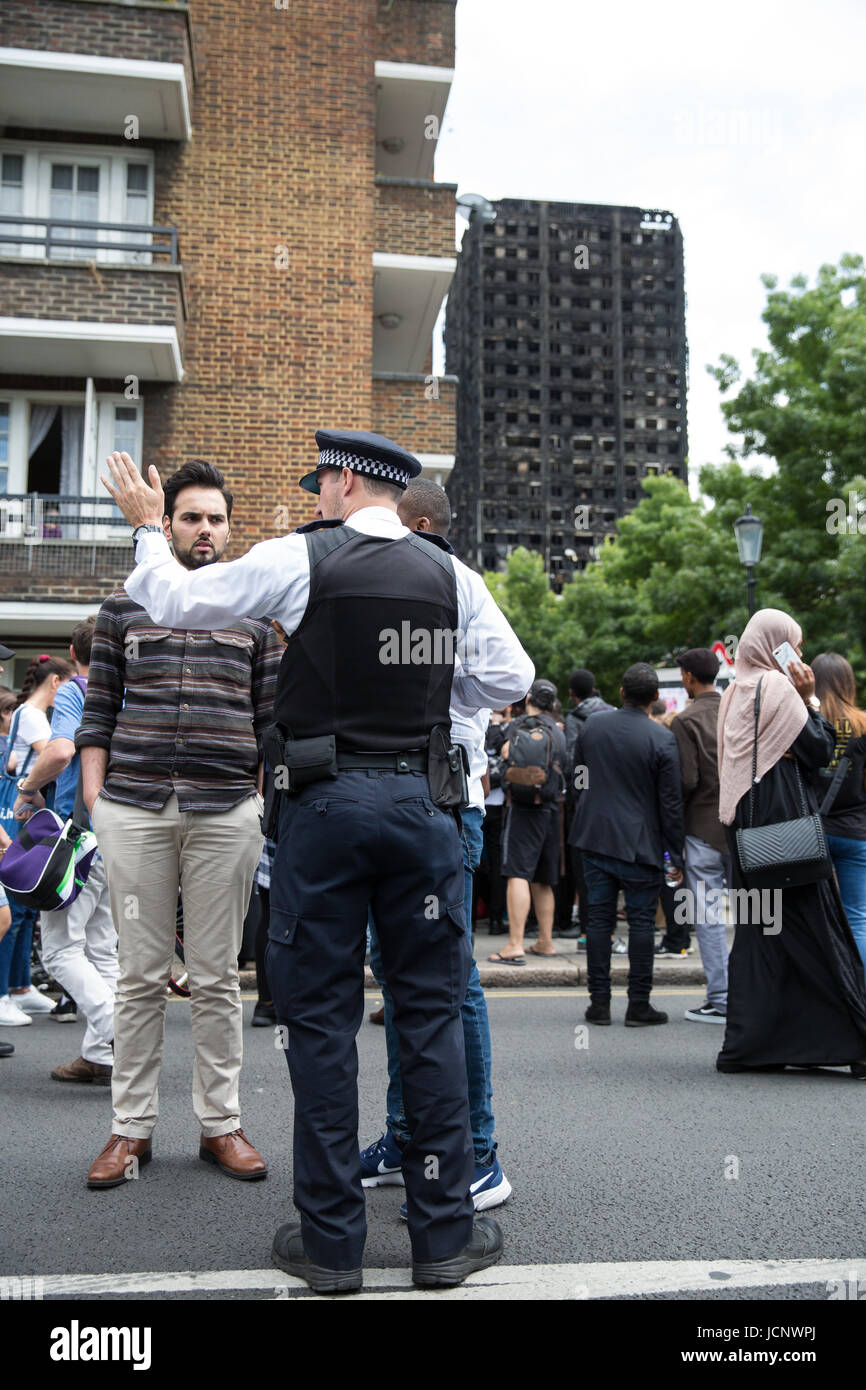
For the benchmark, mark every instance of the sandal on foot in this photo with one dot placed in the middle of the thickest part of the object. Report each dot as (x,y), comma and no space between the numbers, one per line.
(499,959)
(534,951)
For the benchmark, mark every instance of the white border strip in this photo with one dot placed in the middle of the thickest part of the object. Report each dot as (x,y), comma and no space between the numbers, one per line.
(557,1281)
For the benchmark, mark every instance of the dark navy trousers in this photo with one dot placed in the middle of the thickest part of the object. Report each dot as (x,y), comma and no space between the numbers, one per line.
(372,839)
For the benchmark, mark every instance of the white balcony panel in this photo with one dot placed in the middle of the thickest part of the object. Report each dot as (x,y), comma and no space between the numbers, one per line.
(436,467)
(407,95)
(413,287)
(79,91)
(68,347)
(25,621)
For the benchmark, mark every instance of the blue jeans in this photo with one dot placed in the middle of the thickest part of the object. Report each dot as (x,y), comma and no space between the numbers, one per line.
(15,948)
(641,884)
(476,1026)
(849,858)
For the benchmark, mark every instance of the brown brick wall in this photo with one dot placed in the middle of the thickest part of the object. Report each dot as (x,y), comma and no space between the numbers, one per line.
(109,31)
(402,411)
(413,221)
(282,155)
(416,31)
(104,294)
(62,573)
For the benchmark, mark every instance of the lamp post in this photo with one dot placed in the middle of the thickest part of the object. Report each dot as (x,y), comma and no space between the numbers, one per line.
(749,531)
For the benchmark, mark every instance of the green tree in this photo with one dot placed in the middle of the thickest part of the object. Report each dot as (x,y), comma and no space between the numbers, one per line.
(803,407)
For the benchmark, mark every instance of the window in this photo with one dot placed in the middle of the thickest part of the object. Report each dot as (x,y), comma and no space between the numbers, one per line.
(126,431)
(77,183)
(74,196)
(11,196)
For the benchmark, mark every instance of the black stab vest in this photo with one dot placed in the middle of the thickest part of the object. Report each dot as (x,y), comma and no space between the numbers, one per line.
(372,659)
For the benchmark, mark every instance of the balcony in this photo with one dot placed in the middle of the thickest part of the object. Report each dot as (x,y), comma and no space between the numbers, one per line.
(420,412)
(410,108)
(57,550)
(65,66)
(74,314)
(407,295)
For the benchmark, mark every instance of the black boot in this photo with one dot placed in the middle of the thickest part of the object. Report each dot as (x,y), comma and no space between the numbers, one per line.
(484,1248)
(641,1015)
(598,1013)
(289,1255)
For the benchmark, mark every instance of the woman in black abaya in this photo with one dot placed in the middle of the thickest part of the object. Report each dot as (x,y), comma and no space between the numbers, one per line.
(796,995)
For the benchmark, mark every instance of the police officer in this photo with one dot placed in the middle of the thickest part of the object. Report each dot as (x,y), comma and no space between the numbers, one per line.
(373,615)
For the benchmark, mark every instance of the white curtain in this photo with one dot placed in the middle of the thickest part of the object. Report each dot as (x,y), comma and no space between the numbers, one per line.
(41,420)
(72,429)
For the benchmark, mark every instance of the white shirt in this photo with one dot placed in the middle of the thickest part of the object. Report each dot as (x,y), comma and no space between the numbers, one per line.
(32,726)
(470,730)
(273,581)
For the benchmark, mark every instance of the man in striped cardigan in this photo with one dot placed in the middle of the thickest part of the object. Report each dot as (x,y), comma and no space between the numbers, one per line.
(170,745)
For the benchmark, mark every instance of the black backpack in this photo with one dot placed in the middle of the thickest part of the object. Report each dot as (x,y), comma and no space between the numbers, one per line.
(533,774)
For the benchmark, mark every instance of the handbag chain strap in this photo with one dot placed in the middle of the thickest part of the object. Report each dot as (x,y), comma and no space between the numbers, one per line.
(831,794)
(754,757)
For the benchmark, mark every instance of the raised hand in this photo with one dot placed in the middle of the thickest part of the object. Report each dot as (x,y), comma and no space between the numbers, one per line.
(141,504)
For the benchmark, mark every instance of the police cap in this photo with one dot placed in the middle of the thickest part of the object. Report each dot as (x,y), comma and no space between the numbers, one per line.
(370,454)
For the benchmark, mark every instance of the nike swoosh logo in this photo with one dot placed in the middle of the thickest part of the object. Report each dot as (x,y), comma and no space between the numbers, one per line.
(384,1168)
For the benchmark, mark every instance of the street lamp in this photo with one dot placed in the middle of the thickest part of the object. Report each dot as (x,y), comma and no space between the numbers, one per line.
(749,531)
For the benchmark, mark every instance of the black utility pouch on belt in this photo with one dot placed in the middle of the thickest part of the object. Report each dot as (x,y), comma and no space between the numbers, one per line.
(292,764)
(447,770)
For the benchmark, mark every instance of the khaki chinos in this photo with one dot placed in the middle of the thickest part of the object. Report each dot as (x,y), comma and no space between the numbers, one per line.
(213,855)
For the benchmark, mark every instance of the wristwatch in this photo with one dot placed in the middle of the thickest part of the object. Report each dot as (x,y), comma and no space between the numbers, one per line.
(23,791)
(147,526)
(814,702)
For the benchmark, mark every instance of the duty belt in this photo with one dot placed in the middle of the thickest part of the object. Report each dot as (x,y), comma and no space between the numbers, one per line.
(412,761)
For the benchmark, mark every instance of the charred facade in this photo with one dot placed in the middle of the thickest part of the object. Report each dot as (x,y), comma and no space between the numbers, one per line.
(566,327)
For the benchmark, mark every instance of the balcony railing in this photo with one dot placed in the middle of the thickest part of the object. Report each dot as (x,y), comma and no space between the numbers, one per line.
(62,238)
(40,518)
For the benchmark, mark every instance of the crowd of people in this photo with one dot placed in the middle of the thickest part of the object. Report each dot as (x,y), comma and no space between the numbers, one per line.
(648,804)
(158,724)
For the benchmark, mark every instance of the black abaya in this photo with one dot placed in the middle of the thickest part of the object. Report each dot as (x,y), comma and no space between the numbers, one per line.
(797,997)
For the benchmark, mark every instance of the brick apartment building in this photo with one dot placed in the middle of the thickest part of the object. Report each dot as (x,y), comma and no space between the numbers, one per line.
(228,235)
(566,327)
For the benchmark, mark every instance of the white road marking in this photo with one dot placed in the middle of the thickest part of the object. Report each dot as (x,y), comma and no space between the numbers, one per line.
(554,1281)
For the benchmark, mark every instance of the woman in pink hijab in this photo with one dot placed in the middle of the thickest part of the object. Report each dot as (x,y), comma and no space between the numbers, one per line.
(796,994)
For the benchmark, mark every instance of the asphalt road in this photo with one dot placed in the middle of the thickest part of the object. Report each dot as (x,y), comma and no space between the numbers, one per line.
(628,1150)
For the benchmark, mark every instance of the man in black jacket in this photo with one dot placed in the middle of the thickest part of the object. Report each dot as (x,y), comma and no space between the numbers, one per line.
(587,700)
(626,770)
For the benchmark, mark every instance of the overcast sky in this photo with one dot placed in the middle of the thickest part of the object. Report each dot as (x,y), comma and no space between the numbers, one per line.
(746,120)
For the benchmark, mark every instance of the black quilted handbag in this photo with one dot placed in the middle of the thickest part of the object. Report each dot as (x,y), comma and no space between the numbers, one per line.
(790,852)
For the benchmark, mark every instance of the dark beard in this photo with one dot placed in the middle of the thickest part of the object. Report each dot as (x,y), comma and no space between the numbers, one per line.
(195,560)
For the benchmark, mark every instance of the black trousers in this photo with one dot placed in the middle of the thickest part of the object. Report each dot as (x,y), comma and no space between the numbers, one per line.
(495,884)
(372,839)
(262,986)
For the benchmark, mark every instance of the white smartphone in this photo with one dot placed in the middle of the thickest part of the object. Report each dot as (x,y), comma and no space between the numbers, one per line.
(785,654)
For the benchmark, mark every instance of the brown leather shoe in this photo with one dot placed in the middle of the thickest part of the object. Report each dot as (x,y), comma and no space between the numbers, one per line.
(81,1070)
(378,1015)
(234,1154)
(114,1165)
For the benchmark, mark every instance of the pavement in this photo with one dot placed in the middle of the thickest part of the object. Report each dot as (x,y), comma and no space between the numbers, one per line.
(566,968)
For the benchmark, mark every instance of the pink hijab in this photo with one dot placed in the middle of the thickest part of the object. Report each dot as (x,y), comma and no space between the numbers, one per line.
(782,714)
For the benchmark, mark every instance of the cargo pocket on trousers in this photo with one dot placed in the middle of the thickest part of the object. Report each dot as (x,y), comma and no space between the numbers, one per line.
(460,952)
(282,926)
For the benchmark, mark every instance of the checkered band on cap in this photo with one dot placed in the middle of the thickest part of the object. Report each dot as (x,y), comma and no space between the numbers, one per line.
(376,468)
